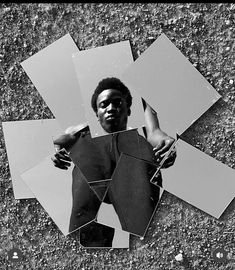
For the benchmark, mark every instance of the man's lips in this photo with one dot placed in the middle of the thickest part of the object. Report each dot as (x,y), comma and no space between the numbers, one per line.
(112,117)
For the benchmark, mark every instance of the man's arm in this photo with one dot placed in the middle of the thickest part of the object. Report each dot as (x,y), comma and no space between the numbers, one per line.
(159,140)
(63,144)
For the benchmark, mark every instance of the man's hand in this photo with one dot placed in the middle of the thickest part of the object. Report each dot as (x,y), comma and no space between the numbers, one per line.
(62,144)
(61,159)
(161,143)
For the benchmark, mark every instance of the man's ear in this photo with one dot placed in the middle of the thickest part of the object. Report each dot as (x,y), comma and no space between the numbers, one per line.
(97,116)
(129,112)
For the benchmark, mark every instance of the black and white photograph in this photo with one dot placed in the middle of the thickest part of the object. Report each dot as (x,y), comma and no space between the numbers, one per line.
(117,136)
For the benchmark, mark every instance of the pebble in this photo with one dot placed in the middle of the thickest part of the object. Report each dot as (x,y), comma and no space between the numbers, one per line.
(6,9)
(179,257)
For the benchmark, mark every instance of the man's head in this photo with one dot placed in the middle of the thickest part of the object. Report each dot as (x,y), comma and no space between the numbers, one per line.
(111,102)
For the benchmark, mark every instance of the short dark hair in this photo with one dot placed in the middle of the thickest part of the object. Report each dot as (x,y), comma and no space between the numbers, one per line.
(111,83)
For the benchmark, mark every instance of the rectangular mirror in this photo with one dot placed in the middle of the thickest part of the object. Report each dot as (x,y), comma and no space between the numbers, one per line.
(27,142)
(171,85)
(52,188)
(52,72)
(200,180)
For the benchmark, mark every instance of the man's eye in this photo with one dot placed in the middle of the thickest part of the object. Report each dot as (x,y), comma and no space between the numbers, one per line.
(117,103)
(103,105)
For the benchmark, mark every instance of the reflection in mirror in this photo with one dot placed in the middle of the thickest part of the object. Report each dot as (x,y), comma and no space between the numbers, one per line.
(100,187)
(96,64)
(95,235)
(68,199)
(97,157)
(95,160)
(131,185)
(107,212)
(200,180)
(85,201)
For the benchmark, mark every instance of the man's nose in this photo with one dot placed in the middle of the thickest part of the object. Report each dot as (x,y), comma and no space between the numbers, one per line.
(111,107)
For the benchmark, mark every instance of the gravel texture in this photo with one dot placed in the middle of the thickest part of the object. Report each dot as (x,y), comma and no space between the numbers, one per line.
(205,34)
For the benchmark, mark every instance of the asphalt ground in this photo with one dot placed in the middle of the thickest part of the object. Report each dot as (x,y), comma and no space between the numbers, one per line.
(205,34)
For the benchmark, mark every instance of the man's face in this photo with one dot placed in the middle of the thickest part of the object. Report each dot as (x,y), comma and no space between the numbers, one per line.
(112,110)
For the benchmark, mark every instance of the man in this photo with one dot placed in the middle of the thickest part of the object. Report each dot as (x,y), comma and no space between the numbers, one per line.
(97,158)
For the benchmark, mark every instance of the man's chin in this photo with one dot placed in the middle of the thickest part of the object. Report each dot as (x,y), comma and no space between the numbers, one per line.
(112,128)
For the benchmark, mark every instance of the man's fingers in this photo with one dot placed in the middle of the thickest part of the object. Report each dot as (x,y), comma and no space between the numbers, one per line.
(162,151)
(61,159)
(62,155)
(60,163)
(159,146)
(163,148)
(159,158)
(170,160)
(61,167)
(167,165)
